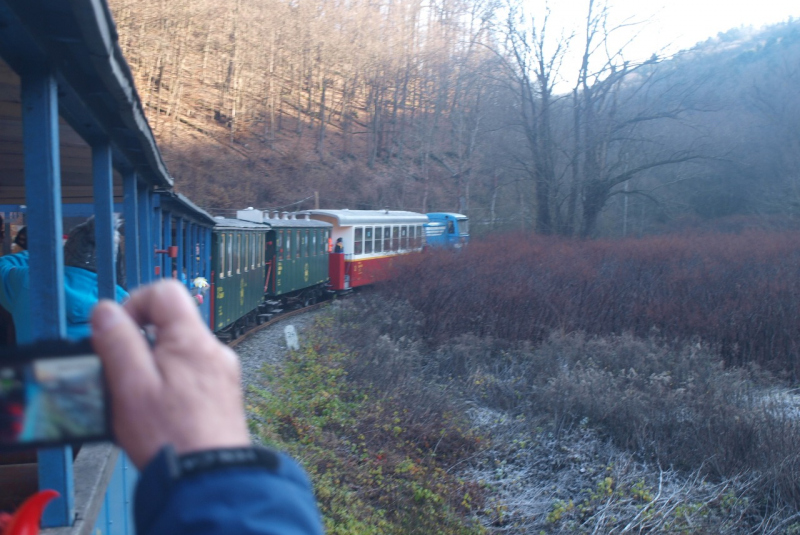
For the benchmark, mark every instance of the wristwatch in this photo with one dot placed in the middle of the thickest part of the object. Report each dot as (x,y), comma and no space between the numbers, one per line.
(189,464)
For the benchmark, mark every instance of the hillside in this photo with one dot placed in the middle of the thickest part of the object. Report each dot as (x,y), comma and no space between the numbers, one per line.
(442,107)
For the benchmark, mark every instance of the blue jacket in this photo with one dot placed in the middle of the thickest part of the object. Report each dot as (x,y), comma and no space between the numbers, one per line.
(228,501)
(80,292)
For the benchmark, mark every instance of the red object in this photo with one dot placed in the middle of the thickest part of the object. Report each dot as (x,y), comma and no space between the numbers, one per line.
(336,270)
(370,270)
(27,518)
(361,272)
(171,251)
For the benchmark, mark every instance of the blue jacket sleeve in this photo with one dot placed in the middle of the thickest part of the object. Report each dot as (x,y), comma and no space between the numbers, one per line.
(13,274)
(241,501)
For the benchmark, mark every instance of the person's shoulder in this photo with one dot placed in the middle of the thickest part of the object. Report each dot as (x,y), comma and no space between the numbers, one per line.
(17,262)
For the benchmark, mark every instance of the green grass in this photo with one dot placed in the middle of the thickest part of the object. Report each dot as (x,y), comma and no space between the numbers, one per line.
(374,470)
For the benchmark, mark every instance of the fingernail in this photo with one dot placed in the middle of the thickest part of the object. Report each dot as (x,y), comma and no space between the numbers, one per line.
(105,316)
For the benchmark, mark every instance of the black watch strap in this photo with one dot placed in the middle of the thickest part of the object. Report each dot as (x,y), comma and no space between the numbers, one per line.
(189,464)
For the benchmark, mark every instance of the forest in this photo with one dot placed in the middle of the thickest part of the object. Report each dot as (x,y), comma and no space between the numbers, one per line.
(468,106)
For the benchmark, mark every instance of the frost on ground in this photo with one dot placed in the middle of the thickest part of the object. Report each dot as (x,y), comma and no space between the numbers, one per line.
(576,482)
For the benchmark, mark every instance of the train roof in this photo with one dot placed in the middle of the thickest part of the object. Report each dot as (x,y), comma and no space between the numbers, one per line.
(97,96)
(364,217)
(298,223)
(224,222)
(175,202)
(448,214)
(278,219)
(270,223)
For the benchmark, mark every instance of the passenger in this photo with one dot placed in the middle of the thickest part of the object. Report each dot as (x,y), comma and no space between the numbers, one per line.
(178,413)
(339,246)
(80,285)
(21,239)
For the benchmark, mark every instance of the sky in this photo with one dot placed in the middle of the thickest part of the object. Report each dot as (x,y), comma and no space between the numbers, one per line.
(680,24)
(661,26)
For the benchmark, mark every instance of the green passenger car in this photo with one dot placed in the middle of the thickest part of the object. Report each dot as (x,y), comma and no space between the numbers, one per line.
(297,259)
(262,265)
(239,273)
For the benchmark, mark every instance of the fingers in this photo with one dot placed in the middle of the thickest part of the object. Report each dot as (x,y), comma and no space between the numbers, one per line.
(120,344)
(163,304)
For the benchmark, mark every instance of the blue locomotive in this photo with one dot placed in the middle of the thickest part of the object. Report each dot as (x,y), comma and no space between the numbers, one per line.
(447,230)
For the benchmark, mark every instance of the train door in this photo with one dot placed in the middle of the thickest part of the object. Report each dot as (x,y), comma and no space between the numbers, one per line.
(269,261)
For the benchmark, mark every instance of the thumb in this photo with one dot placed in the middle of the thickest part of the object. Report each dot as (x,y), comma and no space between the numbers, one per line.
(124,352)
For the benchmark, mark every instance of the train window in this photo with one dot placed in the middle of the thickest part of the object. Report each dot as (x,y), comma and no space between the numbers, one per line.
(251,245)
(404,237)
(368,240)
(238,253)
(303,244)
(246,240)
(230,254)
(378,239)
(359,241)
(395,238)
(387,239)
(222,256)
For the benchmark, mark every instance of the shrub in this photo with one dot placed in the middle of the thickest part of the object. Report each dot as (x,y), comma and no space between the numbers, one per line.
(673,405)
(735,292)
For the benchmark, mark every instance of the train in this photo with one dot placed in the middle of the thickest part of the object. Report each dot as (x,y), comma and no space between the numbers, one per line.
(265,261)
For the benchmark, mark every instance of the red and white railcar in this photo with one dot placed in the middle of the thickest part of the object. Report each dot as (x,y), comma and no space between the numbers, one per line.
(371,240)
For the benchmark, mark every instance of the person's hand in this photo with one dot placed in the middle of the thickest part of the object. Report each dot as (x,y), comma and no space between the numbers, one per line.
(184,391)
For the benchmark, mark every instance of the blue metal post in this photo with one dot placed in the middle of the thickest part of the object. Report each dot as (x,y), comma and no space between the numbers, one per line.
(207,273)
(203,269)
(192,245)
(187,248)
(104,227)
(166,261)
(48,320)
(130,210)
(155,214)
(145,235)
(207,256)
(193,234)
(180,243)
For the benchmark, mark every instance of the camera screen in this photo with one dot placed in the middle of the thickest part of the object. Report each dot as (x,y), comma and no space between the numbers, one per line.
(52,400)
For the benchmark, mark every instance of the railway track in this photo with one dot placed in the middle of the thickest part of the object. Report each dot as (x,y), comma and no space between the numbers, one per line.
(280,317)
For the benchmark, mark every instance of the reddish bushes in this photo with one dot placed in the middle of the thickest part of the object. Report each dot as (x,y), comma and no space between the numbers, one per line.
(738,293)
